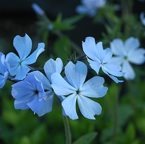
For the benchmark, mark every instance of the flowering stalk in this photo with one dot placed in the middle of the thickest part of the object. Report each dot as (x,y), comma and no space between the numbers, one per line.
(67,130)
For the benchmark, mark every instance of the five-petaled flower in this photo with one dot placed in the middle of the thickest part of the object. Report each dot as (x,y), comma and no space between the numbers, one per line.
(34,93)
(74,89)
(19,66)
(3,70)
(126,53)
(101,58)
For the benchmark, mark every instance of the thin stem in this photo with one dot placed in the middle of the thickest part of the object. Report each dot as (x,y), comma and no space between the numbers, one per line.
(67,130)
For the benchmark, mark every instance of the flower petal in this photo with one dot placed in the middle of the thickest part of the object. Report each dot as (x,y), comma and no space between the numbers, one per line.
(89,47)
(23,45)
(33,57)
(40,77)
(20,105)
(131,43)
(117,47)
(95,65)
(52,66)
(142,18)
(137,56)
(21,72)
(22,92)
(128,71)
(88,107)
(60,86)
(94,88)
(41,107)
(107,55)
(101,54)
(12,62)
(115,79)
(76,73)
(69,106)
(3,67)
(113,69)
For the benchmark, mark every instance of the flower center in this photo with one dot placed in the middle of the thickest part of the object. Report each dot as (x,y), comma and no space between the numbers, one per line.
(78,92)
(36,92)
(125,57)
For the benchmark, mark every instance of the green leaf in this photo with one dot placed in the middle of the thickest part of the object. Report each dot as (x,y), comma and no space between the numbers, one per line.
(86,139)
(62,48)
(66,24)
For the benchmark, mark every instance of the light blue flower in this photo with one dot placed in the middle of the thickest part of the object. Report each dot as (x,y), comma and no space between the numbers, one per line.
(34,93)
(101,58)
(3,71)
(19,66)
(90,7)
(142,18)
(128,52)
(74,90)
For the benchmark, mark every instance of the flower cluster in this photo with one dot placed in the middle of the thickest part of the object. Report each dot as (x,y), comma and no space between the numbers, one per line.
(36,90)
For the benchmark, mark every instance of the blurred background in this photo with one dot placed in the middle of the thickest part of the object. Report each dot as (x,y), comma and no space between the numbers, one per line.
(62,29)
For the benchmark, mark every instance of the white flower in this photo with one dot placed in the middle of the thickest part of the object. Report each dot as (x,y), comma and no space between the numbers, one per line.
(126,53)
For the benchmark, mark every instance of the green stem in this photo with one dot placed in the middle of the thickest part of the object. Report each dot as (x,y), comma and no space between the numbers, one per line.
(67,130)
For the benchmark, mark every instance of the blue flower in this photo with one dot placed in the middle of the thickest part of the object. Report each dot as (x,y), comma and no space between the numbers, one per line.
(19,66)
(34,93)
(74,89)
(128,52)
(101,58)
(90,7)
(3,71)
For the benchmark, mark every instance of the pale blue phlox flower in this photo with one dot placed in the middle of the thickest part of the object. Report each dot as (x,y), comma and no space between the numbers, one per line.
(128,52)
(34,93)
(101,58)
(142,18)
(19,66)
(75,90)
(3,71)
(90,7)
